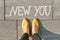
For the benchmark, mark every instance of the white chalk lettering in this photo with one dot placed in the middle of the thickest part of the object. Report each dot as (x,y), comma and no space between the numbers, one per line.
(22,11)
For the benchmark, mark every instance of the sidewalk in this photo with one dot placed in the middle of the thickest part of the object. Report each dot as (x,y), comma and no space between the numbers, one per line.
(10,27)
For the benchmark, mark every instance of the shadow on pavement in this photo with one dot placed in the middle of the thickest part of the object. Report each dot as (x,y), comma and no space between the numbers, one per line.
(47,35)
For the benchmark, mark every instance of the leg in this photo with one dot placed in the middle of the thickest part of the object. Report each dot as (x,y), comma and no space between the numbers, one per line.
(35,29)
(36,37)
(24,37)
(25,29)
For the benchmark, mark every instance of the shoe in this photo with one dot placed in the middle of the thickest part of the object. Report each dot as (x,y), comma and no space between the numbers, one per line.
(35,26)
(25,26)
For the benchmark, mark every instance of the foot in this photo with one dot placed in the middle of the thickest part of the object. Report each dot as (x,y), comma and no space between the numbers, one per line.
(35,26)
(25,26)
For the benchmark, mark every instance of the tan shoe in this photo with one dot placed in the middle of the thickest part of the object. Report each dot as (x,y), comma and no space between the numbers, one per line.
(35,26)
(25,26)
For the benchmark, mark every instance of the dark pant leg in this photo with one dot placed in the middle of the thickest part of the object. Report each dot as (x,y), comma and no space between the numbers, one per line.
(36,37)
(24,37)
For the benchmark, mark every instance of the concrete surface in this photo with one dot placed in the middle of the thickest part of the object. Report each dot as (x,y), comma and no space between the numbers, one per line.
(1,9)
(56,9)
(8,30)
(10,26)
(13,3)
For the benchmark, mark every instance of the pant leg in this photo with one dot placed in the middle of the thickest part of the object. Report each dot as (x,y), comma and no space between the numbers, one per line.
(24,37)
(36,37)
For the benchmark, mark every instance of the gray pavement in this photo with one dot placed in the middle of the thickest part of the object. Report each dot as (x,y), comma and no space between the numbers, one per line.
(56,9)
(13,3)
(8,30)
(10,25)
(1,9)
